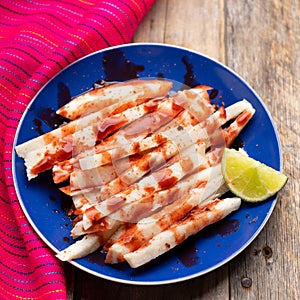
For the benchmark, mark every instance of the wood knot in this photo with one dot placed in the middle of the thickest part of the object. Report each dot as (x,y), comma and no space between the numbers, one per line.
(246,282)
(267,252)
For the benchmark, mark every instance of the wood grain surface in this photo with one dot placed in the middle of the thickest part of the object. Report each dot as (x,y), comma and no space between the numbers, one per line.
(260,40)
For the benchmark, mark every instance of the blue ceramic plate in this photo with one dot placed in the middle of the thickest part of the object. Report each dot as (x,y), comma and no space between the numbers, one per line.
(45,206)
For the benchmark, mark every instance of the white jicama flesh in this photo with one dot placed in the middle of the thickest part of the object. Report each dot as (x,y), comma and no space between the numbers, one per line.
(120,93)
(88,244)
(146,228)
(41,153)
(155,181)
(175,235)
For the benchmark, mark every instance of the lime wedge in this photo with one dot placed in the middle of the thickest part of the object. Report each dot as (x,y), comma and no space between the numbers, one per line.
(248,178)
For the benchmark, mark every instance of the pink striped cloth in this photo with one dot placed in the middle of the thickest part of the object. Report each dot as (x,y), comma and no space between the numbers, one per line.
(37,39)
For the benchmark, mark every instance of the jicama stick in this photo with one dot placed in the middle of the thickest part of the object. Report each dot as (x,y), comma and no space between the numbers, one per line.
(197,109)
(231,132)
(239,123)
(82,180)
(41,153)
(158,115)
(119,93)
(136,171)
(173,134)
(138,168)
(101,210)
(126,142)
(203,130)
(135,131)
(192,158)
(175,235)
(85,197)
(62,170)
(114,237)
(142,205)
(93,196)
(102,226)
(146,228)
(34,151)
(88,244)
(85,138)
(134,211)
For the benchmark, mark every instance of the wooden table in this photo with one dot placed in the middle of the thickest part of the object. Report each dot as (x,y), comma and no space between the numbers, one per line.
(260,40)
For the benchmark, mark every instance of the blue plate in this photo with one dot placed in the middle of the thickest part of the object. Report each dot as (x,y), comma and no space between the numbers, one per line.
(46,207)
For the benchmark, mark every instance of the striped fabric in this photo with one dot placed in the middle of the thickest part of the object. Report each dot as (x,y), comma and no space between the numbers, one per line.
(37,39)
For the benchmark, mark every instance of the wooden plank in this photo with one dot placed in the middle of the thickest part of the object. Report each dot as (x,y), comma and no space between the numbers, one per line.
(263,39)
(194,24)
(70,272)
(152,28)
(198,25)
(208,287)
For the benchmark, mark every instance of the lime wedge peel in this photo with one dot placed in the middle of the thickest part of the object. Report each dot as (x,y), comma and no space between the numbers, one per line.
(248,178)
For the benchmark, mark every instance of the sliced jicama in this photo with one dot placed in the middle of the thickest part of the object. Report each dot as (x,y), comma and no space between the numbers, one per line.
(176,234)
(118,93)
(146,228)
(88,244)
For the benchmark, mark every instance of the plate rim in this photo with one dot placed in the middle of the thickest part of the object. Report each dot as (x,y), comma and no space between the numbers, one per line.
(138,282)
